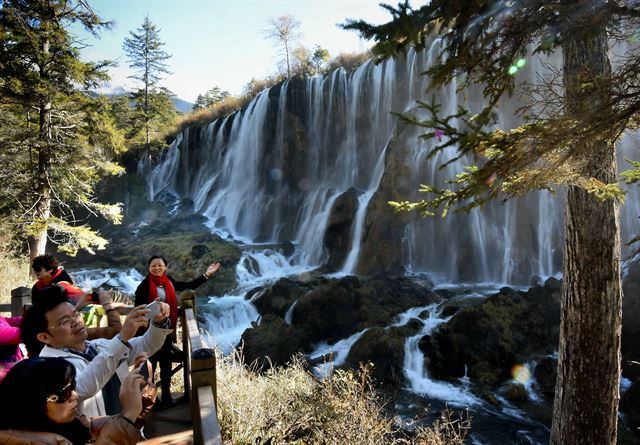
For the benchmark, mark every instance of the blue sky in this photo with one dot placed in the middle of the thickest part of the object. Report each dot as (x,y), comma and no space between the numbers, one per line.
(221,42)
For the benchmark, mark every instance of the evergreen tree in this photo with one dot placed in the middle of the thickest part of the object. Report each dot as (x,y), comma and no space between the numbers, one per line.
(146,57)
(567,138)
(55,141)
(212,97)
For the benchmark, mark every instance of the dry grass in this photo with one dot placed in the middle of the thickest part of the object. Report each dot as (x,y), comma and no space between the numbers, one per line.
(288,405)
(14,272)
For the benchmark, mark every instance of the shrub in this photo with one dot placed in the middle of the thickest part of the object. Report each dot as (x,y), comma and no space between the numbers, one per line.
(288,405)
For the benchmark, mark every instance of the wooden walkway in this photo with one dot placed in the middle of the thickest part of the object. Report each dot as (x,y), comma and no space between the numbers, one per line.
(170,427)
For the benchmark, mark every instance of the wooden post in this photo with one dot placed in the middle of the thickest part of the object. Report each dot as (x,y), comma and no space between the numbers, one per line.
(20,297)
(187,301)
(203,374)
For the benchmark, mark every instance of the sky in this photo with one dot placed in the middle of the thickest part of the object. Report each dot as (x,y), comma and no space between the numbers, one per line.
(221,42)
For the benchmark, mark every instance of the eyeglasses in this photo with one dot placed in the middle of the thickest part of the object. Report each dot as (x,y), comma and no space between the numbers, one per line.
(69,319)
(64,394)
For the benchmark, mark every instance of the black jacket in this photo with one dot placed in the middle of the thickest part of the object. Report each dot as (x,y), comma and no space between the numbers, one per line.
(63,276)
(142,291)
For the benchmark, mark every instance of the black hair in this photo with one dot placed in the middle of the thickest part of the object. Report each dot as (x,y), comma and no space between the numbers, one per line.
(35,319)
(24,393)
(46,262)
(157,257)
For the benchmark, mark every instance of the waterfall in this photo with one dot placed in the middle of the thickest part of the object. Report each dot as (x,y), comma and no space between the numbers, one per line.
(273,172)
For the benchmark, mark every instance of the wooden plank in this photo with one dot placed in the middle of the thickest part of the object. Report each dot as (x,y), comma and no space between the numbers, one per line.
(208,417)
(203,369)
(194,332)
(5,308)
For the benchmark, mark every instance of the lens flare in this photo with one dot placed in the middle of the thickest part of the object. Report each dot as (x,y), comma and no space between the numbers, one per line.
(520,374)
(512,70)
(521,62)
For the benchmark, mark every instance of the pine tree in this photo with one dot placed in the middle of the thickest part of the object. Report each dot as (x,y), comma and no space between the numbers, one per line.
(567,138)
(55,142)
(148,60)
(212,97)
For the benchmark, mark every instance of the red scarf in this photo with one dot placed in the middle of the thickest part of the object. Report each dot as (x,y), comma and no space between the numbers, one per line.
(170,293)
(41,284)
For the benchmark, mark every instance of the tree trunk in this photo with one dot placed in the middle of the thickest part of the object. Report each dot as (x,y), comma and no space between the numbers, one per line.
(587,386)
(37,240)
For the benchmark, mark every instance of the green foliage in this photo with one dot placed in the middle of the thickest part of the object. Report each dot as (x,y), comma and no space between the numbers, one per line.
(153,107)
(487,44)
(211,98)
(56,139)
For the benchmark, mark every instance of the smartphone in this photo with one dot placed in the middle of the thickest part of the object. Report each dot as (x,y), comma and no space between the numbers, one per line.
(144,370)
(154,309)
(94,297)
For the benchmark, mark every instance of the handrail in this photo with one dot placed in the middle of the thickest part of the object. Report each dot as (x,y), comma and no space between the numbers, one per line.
(199,377)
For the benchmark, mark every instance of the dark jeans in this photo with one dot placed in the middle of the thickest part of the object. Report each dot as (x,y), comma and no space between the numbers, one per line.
(165,357)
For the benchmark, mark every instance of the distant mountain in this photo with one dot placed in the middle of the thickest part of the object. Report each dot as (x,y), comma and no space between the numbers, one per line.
(182,106)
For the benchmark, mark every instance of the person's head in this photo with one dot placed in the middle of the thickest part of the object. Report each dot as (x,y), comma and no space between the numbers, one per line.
(52,321)
(157,266)
(44,266)
(38,394)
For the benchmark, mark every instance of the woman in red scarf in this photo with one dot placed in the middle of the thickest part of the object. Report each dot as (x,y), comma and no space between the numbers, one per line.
(158,284)
(45,267)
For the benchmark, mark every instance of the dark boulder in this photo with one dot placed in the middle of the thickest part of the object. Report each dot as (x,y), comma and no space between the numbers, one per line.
(630,323)
(489,339)
(337,238)
(385,349)
(272,342)
(279,297)
(545,376)
(630,406)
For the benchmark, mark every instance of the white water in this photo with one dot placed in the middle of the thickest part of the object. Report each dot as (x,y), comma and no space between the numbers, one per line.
(419,380)
(336,354)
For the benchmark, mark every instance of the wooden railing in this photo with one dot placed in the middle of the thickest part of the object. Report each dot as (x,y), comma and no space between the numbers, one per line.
(20,297)
(199,377)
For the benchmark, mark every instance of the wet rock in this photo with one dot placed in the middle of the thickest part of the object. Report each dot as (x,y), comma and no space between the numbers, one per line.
(491,398)
(490,338)
(340,308)
(337,239)
(273,342)
(278,298)
(288,248)
(516,392)
(385,349)
(630,324)
(448,311)
(545,376)
(630,406)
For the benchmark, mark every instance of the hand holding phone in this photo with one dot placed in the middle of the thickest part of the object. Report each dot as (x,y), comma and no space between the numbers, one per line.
(154,309)
(144,370)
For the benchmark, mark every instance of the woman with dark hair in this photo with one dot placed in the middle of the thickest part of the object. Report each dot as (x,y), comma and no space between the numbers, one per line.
(159,285)
(45,267)
(39,405)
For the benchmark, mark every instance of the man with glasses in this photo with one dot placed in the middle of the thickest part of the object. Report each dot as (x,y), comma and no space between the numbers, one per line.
(54,328)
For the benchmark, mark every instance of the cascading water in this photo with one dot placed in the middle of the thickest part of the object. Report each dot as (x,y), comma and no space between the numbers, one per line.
(276,171)
(273,172)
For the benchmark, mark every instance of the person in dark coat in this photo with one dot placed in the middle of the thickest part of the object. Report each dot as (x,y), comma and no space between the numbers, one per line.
(159,285)
(46,269)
